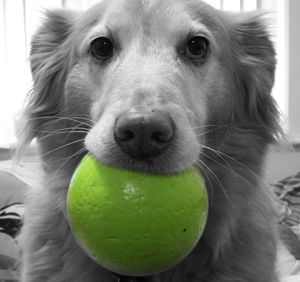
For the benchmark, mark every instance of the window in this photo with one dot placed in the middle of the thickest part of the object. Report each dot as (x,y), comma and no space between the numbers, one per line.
(20,18)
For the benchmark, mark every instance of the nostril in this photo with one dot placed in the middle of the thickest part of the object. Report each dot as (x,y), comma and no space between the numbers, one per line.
(161,137)
(158,136)
(125,135)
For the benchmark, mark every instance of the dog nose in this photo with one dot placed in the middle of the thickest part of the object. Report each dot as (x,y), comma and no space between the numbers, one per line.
(143,135)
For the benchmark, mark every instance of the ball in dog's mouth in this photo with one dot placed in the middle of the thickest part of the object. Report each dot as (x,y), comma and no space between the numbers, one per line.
(134,223)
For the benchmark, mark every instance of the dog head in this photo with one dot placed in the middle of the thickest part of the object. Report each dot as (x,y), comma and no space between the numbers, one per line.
(155,79)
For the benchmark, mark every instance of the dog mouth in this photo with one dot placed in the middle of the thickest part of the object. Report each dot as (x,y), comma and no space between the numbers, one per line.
(153,141)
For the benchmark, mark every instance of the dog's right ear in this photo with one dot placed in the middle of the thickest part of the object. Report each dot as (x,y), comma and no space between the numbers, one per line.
(49,60)
(47,41)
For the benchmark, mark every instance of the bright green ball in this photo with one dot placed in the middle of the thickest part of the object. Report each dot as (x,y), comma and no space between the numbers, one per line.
(132,222)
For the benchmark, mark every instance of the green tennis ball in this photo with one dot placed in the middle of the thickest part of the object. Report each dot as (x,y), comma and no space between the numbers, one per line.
(132,222)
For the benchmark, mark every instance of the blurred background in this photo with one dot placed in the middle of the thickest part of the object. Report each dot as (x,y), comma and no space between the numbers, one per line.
(20,18)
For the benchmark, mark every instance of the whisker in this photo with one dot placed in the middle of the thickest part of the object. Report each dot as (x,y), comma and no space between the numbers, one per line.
(200,163)
(206,176)
(210,125)
(82,150)
(220,153)
(61,117)
(63,146)
(60,129)
(52,120)
(208,131)
(61,132)
(226,166)
(77,128)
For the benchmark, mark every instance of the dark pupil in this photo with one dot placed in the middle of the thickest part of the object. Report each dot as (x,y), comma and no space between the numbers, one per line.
(197,46)
(102,47)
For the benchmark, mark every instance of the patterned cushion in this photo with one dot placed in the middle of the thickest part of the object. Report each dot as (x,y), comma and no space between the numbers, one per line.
(11,218)
(288,191)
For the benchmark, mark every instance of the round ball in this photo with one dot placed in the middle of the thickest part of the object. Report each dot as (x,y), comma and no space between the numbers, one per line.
(132,222)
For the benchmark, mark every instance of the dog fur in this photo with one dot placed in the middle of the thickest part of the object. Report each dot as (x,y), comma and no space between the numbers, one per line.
(224,115)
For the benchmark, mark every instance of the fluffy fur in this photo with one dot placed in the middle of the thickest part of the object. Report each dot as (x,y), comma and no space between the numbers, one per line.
(224,115)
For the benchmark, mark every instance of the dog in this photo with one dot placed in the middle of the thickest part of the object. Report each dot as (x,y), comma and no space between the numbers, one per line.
(157,86)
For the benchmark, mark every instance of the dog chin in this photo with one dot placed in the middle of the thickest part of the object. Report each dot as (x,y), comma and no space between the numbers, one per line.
(162,164)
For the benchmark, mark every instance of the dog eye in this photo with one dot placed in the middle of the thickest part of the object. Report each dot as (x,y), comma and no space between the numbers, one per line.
(197,47)
(101,48)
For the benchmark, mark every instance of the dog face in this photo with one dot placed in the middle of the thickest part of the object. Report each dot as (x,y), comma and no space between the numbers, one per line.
(162,66)
(154,77)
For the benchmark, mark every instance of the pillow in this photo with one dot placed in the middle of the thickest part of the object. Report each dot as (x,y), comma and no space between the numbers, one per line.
(11,217)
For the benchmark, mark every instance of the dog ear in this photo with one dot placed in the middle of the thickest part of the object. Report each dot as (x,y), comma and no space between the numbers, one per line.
(256,74)
(49,59)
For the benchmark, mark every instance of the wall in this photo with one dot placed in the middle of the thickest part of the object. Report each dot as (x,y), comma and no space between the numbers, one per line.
(294,69)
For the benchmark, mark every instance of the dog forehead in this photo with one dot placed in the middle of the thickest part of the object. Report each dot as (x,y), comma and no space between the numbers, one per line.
(133,17)
(145,15)
(141,7)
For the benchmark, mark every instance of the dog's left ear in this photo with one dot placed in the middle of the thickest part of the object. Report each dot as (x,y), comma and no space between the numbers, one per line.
(257,68)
